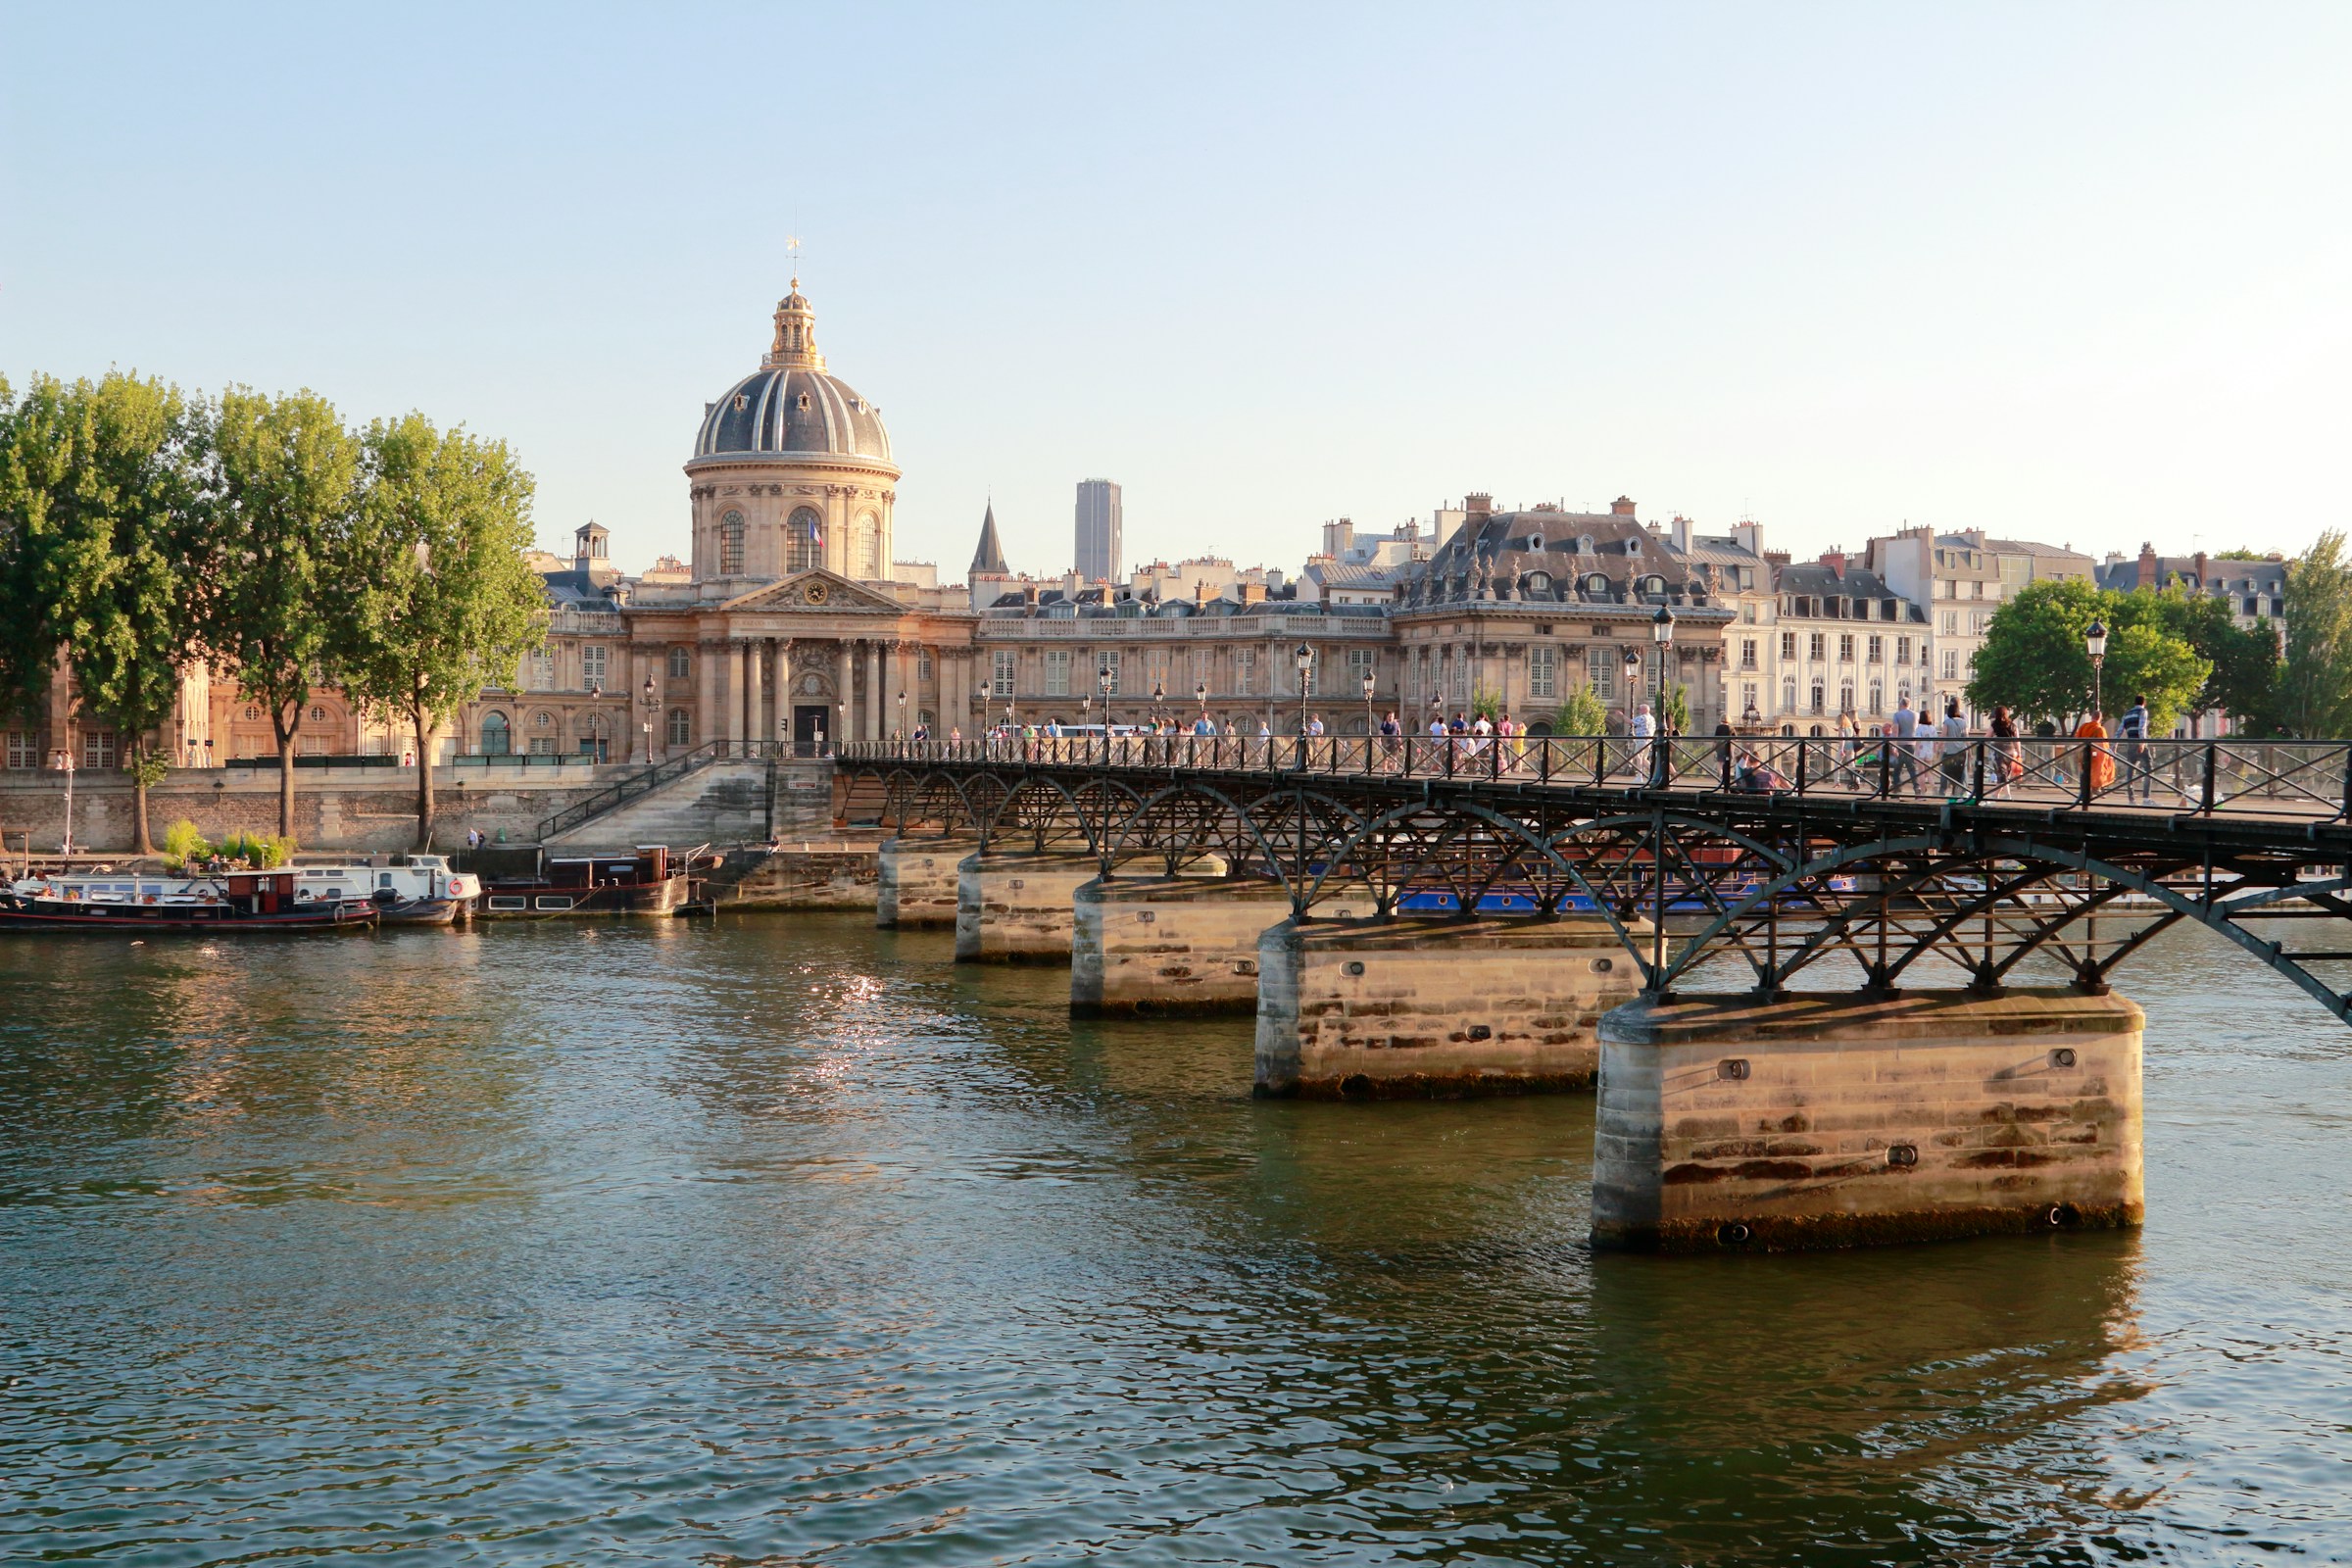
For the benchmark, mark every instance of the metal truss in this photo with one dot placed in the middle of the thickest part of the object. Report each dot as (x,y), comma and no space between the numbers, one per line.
(1872,893)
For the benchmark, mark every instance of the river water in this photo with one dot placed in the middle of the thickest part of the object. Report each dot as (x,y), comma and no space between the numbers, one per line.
(782,1241)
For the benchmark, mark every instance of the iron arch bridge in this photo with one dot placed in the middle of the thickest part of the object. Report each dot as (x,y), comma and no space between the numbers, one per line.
(1866,861)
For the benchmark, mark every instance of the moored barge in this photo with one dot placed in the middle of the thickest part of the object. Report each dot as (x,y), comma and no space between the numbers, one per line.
(233,902)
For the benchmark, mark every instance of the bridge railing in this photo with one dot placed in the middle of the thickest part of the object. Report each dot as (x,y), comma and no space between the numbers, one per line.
(2308,779)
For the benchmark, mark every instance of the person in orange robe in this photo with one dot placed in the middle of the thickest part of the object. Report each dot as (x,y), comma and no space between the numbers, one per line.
(2102,761)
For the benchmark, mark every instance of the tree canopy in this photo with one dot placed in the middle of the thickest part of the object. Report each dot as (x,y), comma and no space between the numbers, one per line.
(445,602)
(2034,661)
(2315,686)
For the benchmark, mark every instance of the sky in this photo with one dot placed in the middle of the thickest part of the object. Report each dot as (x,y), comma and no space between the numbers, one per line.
(2076,272)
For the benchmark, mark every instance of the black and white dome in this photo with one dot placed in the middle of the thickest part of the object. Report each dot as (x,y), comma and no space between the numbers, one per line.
(790,403)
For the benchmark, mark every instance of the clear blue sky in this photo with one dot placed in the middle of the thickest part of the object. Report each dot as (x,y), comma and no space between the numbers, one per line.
(2075,271)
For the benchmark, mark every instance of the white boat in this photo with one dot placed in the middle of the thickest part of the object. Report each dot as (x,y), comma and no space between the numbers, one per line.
(415,889)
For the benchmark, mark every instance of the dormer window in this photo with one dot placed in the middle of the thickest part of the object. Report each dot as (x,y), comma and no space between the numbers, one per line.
(1538,583)
(804,402)
(1535,541)
(1584,545)
(1597,583)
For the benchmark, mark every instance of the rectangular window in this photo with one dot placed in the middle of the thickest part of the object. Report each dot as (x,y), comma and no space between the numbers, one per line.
(592,664)
(1360,665)
(1542,670)
(1057,672)
(97,748)
(1461,678)
(1877,649)
(543,746)
(1748,653)
(1600,669)
(1976,590)
(1003,684)
(1747,697)
(922,664)
(1787,645)
(1845,647)
(1951,623)
(1951,663)
(1902,650)
(543,669)
(24,748)
(1245,670)
(1817,646)
(1110,662)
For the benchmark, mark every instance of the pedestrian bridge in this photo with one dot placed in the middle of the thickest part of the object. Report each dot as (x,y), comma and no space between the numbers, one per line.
(1869,991)
(1849,862)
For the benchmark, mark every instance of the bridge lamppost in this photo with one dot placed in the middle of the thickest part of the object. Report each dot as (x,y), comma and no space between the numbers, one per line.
(902,736)
(2095,642)
(1303,657)
(1159,702)
(61,760)
(1370,729)
(650,701)
(1103,685)
(1200,696)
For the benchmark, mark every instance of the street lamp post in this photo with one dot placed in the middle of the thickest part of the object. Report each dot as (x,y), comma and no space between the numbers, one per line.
(902,736)
(1303,657)
(2095,642)
(1370,728)
(1200,696)
(1661,632)
(61,760)
(650,701)
(1103,686)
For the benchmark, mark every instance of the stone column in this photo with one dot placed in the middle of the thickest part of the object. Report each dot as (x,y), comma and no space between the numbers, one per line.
(784,690)
(735,663)
(891,687)
(878,698)
(706,708)
(759,728)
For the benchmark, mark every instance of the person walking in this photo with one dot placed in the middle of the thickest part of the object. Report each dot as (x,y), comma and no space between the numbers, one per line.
(1904,760)
(2139,766)
(1644,730)
(2008,754)
(1954,746)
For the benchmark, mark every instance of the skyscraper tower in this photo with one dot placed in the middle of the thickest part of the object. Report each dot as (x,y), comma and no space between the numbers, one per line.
(1102,554)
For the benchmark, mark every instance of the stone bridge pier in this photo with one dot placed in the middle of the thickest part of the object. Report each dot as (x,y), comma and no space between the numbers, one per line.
(1436,1005)
(1021,908)
(1171,945)
(919,880)
(1825,1120)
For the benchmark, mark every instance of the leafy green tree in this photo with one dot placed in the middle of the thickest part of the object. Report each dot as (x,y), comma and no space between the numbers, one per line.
(117,543)
(444,602)
(1580,714)
(286,474)
(2033,660)
(1674,709)
(2314,685)
(35,438)
(2244,659)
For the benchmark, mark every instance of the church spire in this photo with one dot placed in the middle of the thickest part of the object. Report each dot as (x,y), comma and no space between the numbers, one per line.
(989,559)
(795,345)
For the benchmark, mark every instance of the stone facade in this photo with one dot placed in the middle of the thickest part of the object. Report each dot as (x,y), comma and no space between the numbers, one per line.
(1169,945)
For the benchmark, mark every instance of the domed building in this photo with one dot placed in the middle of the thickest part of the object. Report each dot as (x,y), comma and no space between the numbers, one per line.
(791,469)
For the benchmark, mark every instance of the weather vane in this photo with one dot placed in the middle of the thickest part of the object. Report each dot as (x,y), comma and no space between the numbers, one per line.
(792,243)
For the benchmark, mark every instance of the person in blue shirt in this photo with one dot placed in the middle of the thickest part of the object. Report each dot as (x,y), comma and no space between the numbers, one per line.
(2139,763)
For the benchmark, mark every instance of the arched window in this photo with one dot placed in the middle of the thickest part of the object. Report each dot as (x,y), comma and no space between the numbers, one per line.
(681,664)
(1535,541)
(1845,699)
(1595,583)
(497,739)
(730,545)
(1818,698)
(681,727)
(1877,698)
(1788,694)
(1654,585)
(803,541)
(1584,545)
(869,558)
(1538,583)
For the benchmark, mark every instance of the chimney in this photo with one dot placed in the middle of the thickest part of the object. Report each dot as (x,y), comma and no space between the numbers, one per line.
(2147,565)
(1253,592)
(1622,507)
(1199,591)
(2201,569)
(1776,558)
(1681,532)
(1478,504)
(1835,558)
(1748,536)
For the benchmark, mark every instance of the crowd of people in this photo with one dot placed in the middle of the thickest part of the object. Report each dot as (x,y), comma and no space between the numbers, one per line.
(1918,753)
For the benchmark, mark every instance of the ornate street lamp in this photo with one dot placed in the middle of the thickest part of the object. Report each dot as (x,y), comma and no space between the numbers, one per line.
(1370,728)
(650,701)
(1303,657)
(2095,642)
(61,760)
(1200,696)
(1103,685)
(902,737)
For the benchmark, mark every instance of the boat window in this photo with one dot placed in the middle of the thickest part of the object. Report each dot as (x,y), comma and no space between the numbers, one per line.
(508,900)
(384,879)
(558,901)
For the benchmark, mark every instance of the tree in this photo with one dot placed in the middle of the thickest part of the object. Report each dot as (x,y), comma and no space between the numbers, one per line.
(114,547)
(2314,685)
(2033,660)
(445,602)
(34,443)
(1674,709)
(286,474)
(2244,659)
(1580,714)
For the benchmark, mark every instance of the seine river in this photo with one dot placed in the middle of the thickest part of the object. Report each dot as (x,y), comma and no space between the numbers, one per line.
(781,1240)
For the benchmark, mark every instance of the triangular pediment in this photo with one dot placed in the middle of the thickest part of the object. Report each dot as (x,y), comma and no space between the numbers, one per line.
(818,591)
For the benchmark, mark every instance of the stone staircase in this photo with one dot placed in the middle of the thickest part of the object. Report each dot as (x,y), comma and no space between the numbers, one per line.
(725,801)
